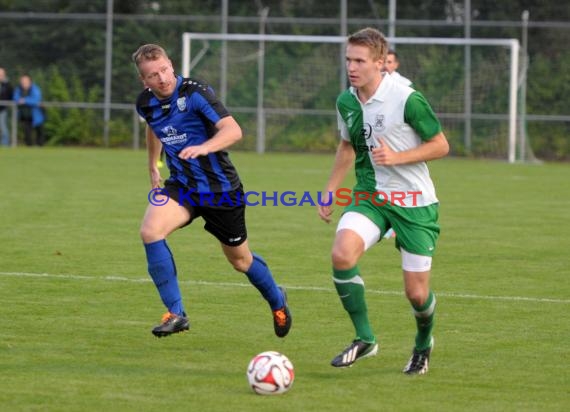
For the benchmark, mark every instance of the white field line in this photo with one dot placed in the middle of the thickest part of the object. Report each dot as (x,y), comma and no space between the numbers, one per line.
(304,288)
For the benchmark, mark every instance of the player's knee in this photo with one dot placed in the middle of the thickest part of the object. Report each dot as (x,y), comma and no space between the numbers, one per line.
(417,296)
(239,266)
(145,234)
(149,234)
(343,259)
(240,263)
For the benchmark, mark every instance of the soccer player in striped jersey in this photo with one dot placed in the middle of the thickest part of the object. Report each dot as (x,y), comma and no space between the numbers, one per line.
(388,132)
(185,118)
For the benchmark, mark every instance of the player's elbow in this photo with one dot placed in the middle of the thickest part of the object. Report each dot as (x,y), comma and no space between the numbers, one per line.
(231,129)
(238,133)
(442,146)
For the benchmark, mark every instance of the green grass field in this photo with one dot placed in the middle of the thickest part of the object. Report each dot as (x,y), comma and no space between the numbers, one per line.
(77,305)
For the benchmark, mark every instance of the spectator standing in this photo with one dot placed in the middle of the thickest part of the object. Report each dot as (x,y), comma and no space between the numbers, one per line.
(391,66)
(6,93)
(28,96)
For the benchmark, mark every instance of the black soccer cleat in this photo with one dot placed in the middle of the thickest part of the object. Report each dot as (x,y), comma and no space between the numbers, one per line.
(282,317)
(357,350)
(419,362)
(171,323)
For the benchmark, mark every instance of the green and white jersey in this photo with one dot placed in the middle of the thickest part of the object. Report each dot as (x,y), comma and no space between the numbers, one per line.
(404,118)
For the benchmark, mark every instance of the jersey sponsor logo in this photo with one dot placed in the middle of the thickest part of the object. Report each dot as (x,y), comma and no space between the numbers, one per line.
(171,136)
(366,131)
(366,135)
(169,130)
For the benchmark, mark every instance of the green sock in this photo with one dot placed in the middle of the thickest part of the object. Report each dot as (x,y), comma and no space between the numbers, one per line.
(425,315)
(350,288)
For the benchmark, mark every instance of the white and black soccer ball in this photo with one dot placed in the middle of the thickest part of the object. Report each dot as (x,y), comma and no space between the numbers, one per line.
(270,373)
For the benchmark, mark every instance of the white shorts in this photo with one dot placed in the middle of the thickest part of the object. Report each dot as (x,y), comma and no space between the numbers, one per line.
(364,227)
(370,234)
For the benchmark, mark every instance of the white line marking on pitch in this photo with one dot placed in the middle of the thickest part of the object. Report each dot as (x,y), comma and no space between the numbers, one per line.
(315,288)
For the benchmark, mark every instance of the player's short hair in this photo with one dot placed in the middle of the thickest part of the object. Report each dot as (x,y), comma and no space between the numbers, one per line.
(373,39)
(393,53)
(148,52)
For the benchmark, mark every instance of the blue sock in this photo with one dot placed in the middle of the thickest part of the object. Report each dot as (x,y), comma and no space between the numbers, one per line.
(163,272)
(260,276)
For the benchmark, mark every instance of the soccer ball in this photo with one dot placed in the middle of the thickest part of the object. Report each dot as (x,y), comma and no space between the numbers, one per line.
(270,373)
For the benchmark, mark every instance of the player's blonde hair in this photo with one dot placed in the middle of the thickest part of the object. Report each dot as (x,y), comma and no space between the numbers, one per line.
(148,52)
(373,39)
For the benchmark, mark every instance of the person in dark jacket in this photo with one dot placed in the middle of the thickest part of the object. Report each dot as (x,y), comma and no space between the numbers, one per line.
(6,93)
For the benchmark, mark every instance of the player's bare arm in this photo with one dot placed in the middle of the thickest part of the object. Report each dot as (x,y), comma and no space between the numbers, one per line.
(435,148)
(154,146)
(343,163)
(229,132)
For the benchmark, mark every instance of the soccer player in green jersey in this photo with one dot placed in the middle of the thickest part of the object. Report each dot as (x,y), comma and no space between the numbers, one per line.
(388,132)
(391,66)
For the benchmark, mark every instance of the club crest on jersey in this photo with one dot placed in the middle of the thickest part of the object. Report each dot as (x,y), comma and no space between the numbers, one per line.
(181,103)
(379,123)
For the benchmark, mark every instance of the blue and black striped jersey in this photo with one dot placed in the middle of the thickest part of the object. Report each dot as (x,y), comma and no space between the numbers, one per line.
(188,118)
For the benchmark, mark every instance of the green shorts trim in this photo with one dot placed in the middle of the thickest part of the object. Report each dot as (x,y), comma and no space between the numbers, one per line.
(417,228)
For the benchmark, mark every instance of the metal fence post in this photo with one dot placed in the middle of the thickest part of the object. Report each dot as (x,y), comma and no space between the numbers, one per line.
(136,129)
(14,130)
